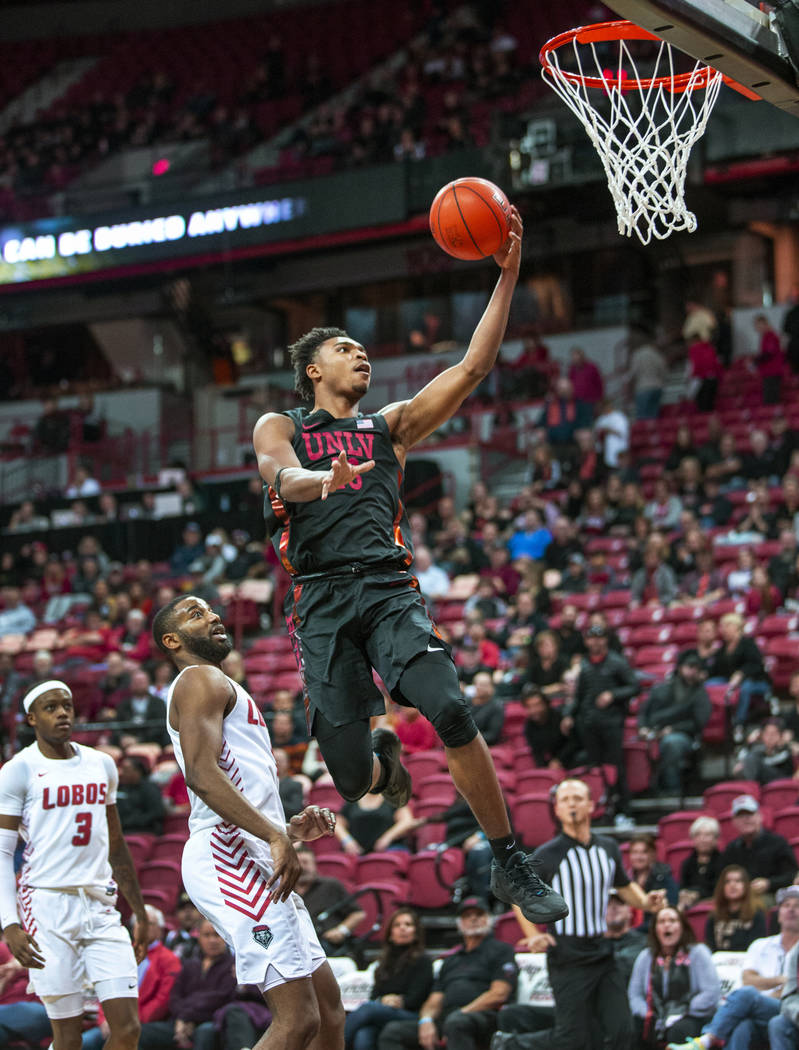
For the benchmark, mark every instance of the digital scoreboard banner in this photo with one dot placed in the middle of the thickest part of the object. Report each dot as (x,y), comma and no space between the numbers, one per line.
(63,247)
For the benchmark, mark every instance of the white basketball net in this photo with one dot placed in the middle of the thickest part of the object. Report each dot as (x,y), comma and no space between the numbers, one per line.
(643,133)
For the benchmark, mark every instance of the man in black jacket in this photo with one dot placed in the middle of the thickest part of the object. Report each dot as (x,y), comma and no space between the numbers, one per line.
(675,713)
(767,856)
(605,686)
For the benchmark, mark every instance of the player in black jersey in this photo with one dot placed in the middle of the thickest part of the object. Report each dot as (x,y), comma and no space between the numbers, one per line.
(334,508)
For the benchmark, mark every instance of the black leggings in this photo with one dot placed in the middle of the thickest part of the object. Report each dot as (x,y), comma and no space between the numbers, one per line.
(430,684)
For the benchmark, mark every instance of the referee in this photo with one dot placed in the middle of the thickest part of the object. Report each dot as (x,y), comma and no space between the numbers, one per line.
(589,991)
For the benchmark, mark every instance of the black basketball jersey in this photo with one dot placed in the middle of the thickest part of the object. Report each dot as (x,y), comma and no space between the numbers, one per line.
(365,522)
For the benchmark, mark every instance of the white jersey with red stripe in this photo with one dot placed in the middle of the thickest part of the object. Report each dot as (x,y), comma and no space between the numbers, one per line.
(246,757)
(62,806)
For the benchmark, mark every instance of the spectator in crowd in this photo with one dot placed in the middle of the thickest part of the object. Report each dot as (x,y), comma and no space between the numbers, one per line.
(545,471)
(737,917)
(546,668)
(26,519)
(485,601)
(372,825)
(675,714)
(531,538)
(414,731)
(403,980)
(627,942)
(682,449)
(664,509)
(133,640)
(782,565)
(612,429)
(157,977)
(141,715)
(473,983)
(487,711)
(205,982)
(700,322)
(744,1018)
(16,617)
(247,562)
(761,461)
(433,581)
(649,872)
(654,583)
(51,431)
(586,381)
(562,417)
(715,509)
(83,483)
(648,372)
(605,685)
(570,640)
(792,717)
(23,1018)
(189,551)
(705,371)
(139,801)
(549,746)
(790,326)
(674,988)
(784,442)
(738,663)
(766,756)
(770,360)
(701,869)
(233,666)
(564,544)
(182,939)
(334,912)
(704,583)
(765,855)
(115,683)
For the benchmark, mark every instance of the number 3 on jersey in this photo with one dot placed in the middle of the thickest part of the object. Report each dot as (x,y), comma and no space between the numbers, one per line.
(254,715)
(83,829)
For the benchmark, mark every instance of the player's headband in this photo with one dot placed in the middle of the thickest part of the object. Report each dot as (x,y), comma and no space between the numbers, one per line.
(39,690)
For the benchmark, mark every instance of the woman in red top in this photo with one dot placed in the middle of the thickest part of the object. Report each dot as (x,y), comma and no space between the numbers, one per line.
(706,367)
(770,360)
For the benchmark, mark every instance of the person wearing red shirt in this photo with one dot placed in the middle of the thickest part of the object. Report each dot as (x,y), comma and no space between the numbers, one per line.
(414,731)
(705,367)
(589,387)
(770,360)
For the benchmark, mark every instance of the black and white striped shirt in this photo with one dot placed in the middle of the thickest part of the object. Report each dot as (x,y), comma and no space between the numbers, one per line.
(584,875)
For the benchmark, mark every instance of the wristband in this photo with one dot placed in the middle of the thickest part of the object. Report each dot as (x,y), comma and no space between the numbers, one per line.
(427,1020)
(342,929)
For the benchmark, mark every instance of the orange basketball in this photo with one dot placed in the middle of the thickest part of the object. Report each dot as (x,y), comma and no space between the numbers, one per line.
(470,218)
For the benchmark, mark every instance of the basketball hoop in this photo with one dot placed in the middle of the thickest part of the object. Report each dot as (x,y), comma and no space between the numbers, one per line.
(643,128)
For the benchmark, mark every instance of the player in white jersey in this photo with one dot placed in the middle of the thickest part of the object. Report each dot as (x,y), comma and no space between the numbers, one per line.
(239,864)
(62,922)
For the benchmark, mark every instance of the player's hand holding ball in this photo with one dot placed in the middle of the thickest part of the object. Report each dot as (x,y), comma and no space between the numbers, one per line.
(472,218)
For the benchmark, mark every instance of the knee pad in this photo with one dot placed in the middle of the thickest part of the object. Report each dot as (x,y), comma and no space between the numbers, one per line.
(347,751)
(430,684)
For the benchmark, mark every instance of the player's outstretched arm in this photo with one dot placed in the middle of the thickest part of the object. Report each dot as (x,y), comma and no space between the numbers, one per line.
(200,702)
(271,440)
(124,873)
(22,946)
(411,421)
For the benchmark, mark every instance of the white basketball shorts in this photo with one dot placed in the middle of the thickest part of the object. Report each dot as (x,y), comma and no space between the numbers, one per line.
(83,943)
(225,873)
